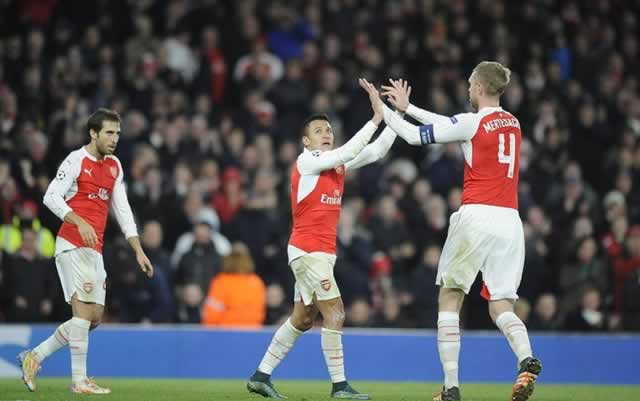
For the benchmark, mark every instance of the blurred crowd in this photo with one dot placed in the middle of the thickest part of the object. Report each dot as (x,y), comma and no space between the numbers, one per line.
(213,93)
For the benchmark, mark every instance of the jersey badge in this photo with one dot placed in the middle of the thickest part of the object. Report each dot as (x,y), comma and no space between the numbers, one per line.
(326,285)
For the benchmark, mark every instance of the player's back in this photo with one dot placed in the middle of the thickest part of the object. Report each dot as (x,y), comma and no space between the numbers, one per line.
(492,160)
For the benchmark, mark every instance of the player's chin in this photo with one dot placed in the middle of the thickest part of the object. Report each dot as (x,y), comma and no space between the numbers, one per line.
(326,146)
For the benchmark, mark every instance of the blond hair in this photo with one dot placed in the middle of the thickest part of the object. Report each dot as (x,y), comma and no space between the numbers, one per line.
(239,260)
(493,76)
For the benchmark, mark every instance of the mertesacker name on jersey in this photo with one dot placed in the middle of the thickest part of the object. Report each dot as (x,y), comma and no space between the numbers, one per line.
(500,123)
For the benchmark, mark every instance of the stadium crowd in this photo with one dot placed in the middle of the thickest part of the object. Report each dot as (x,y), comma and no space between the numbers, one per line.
(213,93)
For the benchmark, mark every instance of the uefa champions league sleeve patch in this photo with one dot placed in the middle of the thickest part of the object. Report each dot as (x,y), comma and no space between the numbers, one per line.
(315,153)
(61,175)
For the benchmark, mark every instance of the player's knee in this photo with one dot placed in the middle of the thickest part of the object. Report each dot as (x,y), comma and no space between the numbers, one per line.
(302,323)
(307,323)
(335,320)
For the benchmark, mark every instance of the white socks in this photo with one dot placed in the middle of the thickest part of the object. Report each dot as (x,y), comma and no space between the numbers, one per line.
(449,346)
(516,332)
(57,340)
(331,341)
(280,346)
(79,345)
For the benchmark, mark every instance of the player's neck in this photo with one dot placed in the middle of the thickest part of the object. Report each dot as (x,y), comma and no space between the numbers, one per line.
(488,102)
(93,151)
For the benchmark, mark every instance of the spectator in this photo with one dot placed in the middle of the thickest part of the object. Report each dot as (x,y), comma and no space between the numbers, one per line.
(588,316)
(135,297)
(545,314)
(195,271)
(424,294)
(236,295)
(627,263)
(587,269)
(30,282)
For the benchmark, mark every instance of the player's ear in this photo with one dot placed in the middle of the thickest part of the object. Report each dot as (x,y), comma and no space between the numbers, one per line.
(93,134)
(306,141)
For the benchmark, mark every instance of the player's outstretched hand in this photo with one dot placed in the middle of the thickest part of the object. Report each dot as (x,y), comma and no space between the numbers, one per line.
(374,97)
(398,94)
(88,234)
(145,263)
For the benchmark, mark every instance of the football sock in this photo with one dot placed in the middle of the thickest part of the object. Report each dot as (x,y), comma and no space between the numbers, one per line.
(57,340)
(331,341)
(449,346)
(281,344)
(79,345)
(516,332)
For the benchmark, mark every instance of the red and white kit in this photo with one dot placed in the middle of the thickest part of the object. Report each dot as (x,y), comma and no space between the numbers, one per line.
(88,187)
(486,234)
(317,185)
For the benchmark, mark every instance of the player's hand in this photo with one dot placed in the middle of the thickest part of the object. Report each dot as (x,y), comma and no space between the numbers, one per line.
(88,234)
(374,97)
(398,94)
(144,263)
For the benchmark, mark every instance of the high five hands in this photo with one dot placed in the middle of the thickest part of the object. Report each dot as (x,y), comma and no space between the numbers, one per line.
(397,94)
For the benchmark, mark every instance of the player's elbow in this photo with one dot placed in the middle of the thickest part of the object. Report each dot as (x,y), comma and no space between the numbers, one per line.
(49,200)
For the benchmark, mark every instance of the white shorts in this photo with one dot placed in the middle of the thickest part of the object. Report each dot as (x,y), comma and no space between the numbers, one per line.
(81,272)
(314,275)
(484,238)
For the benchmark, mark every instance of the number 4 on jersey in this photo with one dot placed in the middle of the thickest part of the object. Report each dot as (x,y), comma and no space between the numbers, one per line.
(509,159)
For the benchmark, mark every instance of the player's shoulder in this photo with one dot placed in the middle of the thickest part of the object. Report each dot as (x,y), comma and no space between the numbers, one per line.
(74,158)
(309,154)
(115,164)
(113,159)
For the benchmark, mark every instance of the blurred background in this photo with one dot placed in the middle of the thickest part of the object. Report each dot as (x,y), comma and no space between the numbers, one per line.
(213,94)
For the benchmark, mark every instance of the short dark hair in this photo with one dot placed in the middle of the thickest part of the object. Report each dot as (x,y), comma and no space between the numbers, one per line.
(312,118)
(100,115)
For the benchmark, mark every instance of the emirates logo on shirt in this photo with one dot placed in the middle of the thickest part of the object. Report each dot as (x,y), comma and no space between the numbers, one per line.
(102,194)
(336,199)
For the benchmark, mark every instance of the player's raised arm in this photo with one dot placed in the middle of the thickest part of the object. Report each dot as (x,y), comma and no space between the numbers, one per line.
(458,128)
(374,151)
(398,95)
(317,161)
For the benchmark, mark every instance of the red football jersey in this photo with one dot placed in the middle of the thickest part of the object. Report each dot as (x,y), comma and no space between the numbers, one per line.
(315,206)
(86,186)
(492,169)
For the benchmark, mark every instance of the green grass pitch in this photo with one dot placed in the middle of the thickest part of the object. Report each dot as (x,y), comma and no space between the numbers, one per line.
(223,390)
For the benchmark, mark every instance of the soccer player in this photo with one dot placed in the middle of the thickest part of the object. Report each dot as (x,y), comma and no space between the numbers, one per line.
(317,184)
(486,234)
(88,181)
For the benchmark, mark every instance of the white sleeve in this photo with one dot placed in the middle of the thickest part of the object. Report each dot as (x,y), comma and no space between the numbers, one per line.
(373,151)
(121,207)
(459,128)
(424,116)
(316,161)
(54,198)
